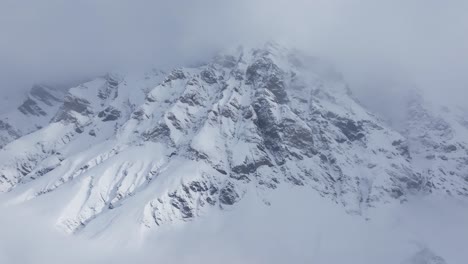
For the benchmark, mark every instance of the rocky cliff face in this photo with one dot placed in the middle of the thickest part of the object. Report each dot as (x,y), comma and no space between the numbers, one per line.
(182,144)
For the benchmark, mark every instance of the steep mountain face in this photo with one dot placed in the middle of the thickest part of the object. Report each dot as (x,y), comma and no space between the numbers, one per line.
(182,144)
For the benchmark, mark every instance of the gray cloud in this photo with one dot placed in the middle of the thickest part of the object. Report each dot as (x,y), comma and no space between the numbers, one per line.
(370,41)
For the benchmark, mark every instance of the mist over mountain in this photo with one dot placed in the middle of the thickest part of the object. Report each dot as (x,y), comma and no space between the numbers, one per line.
(236,132)
(369,41)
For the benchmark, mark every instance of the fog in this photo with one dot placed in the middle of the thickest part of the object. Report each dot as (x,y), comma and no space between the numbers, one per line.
(380,46)
(313,230)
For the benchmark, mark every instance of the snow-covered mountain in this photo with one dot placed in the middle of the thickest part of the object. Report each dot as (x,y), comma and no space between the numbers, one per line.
(174,147)
(34,113)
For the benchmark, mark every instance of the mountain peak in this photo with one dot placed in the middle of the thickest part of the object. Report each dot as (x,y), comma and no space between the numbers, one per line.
(202,138)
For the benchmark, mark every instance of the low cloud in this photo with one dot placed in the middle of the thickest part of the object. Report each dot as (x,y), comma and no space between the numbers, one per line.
(372,42)
(313,230)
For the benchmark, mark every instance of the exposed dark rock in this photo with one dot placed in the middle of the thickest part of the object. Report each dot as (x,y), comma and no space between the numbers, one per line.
(44,95)
(263,73)
(111,81)
(296,135)
(30,107)
(252,166)
(276,85)
(403,148)
(213,190)
(176,74)
(450,148)
(210,200)
(70,105)
(4,126)
(182,204)
(174,121)
(228,194)
(110,89)
(229,113)
(92,133)
(221,171)
(109,114)
(139,115)
(192,98)
(196,186)
(208,76)
(239,177)
(268,128)
(160,132)
(397,193)
(238,75)
(150,99)
(248,113)
(352,130)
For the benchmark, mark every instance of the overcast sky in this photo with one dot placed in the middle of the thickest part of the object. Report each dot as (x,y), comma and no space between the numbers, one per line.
(424,42)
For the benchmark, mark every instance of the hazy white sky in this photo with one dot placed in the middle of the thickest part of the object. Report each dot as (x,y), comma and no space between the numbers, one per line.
(371,41)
